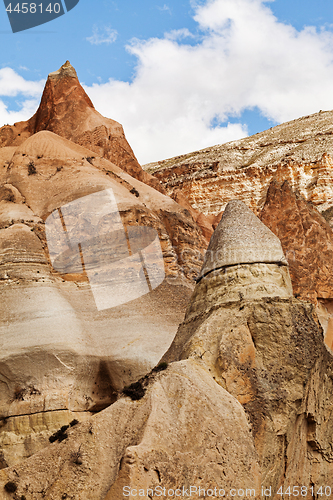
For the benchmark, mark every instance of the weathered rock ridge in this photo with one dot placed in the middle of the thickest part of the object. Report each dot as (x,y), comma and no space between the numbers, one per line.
(299,151)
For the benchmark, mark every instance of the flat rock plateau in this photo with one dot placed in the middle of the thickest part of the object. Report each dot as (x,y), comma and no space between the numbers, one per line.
(164,327)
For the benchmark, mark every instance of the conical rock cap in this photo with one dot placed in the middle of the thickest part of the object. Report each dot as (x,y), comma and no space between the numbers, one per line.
(241,238)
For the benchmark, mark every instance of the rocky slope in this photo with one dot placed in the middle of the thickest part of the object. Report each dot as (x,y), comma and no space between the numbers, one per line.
(77,323)
(298,151)
(244,403)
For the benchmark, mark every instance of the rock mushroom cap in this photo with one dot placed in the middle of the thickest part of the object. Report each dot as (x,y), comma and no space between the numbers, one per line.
(241,238)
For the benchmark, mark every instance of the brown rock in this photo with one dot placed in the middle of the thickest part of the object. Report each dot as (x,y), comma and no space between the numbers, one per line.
(66,110)
(306,238)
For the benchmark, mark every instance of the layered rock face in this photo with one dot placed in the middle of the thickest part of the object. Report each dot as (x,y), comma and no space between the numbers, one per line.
(298,151)
(96,269)
(244,403)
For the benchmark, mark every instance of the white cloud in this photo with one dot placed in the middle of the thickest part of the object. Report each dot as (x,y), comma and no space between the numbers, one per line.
(105,35)
(165,8)
(8,117)
(13,85)
(178,34)
(244,58)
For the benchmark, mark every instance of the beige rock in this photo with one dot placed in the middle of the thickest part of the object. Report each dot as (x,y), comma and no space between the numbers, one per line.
(325,315)
(150,443)
(267,353)
(58,350)
(244,403)
(24,435)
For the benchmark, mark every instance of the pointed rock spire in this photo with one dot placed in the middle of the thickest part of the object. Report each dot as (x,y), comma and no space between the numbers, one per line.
(241,238)
(66,110)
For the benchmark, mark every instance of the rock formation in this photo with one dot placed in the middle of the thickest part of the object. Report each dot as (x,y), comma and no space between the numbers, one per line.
(69,340)
(96,270)
(244,403)
(299,151)
(266,349)
(307,241)
(241,239)
(66,110)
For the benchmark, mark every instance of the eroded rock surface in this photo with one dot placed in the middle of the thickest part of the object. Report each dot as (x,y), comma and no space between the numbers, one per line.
(245,402)
(267,350)
(53,339)
(66,110)
(300,151)
(150,443)
(307,241)
(246,398)
(240,238)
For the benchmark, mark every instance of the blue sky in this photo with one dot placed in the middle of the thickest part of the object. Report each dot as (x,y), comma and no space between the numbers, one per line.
(179,75)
